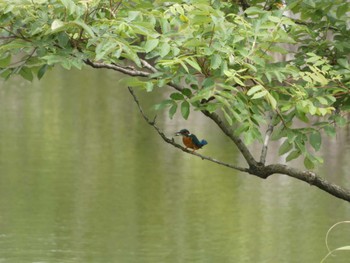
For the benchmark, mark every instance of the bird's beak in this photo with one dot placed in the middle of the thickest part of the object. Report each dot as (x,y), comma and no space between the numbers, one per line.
(177,133)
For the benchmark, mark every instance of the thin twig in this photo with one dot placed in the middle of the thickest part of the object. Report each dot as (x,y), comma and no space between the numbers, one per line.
(172,142)
(126,70)
(131,71)
(267,139)
(148,66)
(117,6)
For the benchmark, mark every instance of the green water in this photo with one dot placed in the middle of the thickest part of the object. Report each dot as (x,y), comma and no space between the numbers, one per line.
(84,179)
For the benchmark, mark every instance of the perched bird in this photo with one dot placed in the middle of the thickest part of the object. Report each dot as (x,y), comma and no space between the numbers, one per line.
(190,140)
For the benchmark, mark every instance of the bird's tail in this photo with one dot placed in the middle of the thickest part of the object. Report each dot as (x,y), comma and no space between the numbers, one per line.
(204,142)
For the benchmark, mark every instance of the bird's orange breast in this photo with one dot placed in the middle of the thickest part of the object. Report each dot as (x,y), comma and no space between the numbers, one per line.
(188,142)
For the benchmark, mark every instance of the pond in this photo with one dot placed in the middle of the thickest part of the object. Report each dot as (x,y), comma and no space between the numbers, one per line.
(85,179)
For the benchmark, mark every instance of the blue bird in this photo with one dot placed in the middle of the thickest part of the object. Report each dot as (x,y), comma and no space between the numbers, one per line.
(190,140)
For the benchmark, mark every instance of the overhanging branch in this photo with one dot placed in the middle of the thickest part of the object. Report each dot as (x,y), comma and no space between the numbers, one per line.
(258,169)
(172,142)
(311,178)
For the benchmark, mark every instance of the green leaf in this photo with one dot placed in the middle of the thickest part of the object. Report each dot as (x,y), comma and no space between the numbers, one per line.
(26,73)
(274,19)
(293,155)
(185,109)
(184,66)
(341,121)
(149,86)
(322,100)
(187,92)
(254,11)
(342,9)
(57,24)
(316,140)
(42,71)
(163,104)
(87,28)
(193,64)
(344,63)
(215,61)
(259,95)
(172,110)
(5,61)
(227,117)
(104,49)
(238,81)
(313,58)
(164,49)
(285,147)
(308,163)
(242,128)
(176,96)
(271,100)
(70,5)
(254,89)
(330,130)
(208,82)
(151,44)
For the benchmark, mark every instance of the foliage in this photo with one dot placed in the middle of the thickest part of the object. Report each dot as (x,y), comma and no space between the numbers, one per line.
(247,60)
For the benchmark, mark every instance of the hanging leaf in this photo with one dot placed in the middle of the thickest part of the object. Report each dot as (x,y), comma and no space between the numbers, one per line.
(259,95)
(172,110)
(185,109)
(216,61)
(285,147)
(254,89)
(176,96)
(316,140)
(151,44)
(293,155)
(193,64)
(42,71)
(308,163)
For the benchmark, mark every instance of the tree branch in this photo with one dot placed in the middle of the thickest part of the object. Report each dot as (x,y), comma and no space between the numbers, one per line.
(266,140)
(258,169)
(216,118)
(123,69)
(239,143)
(131,71)
(311,178)
(172,142)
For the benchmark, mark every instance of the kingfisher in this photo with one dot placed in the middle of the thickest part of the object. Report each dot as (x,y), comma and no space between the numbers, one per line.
(190,140)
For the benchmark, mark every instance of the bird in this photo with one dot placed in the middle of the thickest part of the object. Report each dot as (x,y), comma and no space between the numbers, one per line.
(190,140)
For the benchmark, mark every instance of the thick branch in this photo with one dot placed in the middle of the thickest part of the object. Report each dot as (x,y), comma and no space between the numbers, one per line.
(239,143)
(172,142)
(309,177)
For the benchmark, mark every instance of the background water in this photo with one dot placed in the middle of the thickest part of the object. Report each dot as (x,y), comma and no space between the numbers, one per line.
(83,178)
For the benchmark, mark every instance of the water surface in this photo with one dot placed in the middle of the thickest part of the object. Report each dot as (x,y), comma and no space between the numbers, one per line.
(83,178)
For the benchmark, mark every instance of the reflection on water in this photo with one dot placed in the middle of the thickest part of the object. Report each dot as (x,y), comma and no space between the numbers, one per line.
(84,179)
